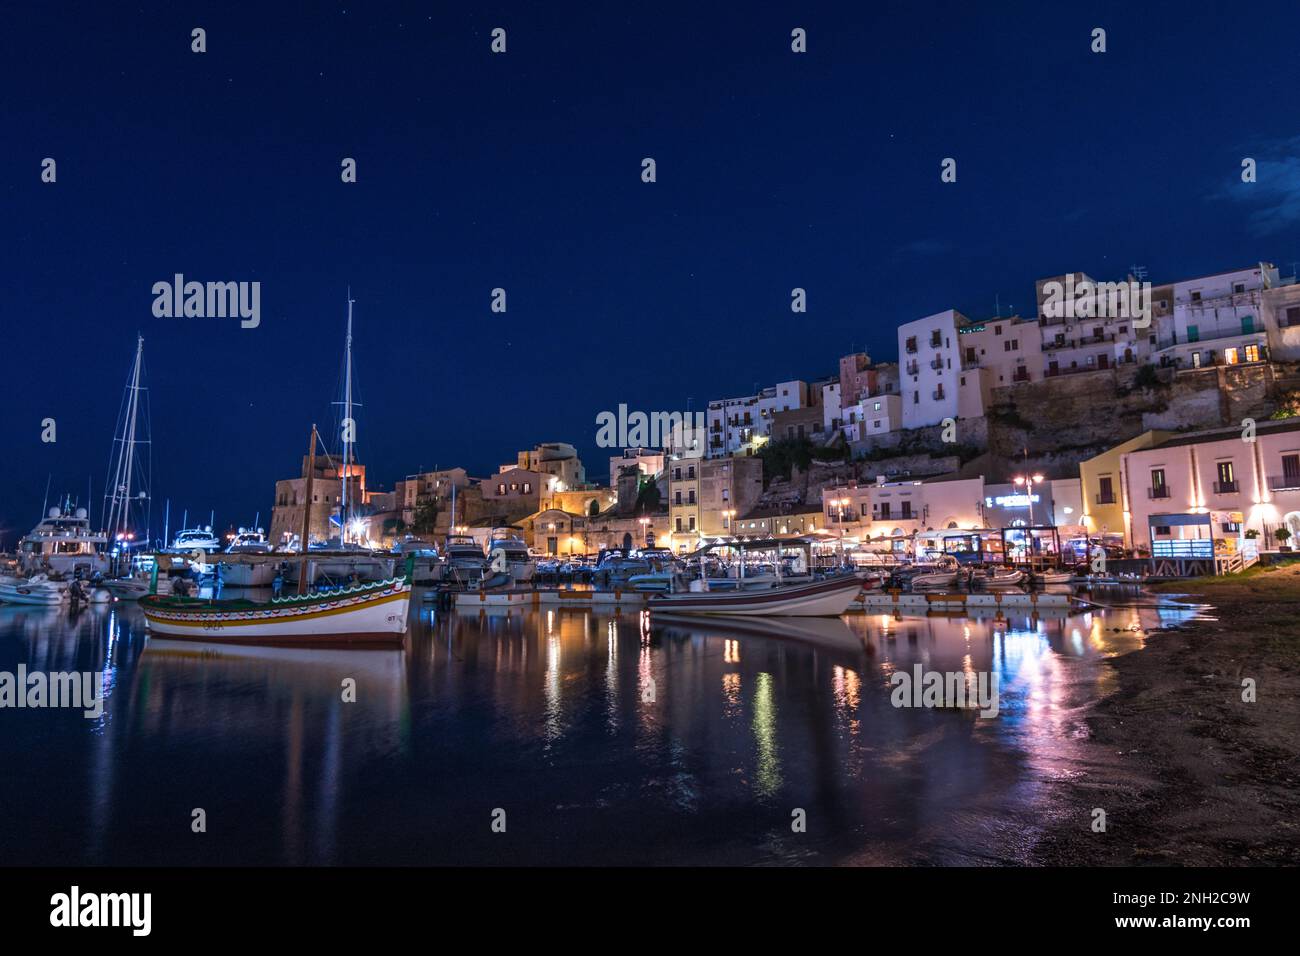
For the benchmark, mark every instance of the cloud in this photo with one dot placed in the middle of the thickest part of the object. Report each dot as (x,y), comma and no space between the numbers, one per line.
(1274,198)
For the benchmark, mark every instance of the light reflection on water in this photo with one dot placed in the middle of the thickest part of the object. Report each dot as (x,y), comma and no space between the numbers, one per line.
(606,739)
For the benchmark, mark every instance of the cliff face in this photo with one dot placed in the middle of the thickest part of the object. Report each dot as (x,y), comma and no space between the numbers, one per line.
(1054,424)
(1063,420)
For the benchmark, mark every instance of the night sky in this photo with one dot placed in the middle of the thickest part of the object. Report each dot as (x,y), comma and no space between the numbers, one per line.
(522,171)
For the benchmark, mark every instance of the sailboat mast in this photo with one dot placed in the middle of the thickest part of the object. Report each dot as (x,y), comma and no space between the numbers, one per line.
(347,426)
(119,502)
(306,515)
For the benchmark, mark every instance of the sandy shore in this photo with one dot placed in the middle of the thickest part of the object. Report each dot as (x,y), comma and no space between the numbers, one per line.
(1189,773)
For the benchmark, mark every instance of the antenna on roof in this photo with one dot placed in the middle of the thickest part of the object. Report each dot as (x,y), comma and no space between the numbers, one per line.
(997,304)
(1139,272)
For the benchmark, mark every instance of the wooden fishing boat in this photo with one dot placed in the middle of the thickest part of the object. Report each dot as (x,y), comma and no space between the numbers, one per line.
(368,613)
(365,614)
(827,598)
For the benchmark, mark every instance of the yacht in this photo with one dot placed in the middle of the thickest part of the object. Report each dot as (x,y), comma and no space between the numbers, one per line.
(463,561)
(63,542)
(201,539)
(508,554)
(249,541)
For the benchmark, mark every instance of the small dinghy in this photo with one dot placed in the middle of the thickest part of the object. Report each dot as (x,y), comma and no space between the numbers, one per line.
(37,590)
(1053,577)
(1000,578)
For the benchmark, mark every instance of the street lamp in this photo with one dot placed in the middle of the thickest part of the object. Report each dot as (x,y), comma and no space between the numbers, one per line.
(1028,482)
(843,503)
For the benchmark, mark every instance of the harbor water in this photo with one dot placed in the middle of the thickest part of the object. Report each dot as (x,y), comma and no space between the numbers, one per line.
(552,736)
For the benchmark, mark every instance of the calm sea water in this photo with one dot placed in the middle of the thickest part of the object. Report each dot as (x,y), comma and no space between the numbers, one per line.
(546,716)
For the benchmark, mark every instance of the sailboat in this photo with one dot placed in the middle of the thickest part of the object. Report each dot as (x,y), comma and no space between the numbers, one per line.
(126,490)
(374,613)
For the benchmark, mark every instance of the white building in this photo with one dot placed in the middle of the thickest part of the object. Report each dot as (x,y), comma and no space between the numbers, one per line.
(831,412)
(1218,319)
(1198,494)
(1010,349)
(1093,327)
(737,426)
(896,512)
(930,366)
(872,417)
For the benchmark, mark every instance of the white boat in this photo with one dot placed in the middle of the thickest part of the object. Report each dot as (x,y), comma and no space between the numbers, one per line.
(248,573)
(1000,578)
(136,586)
(249,541)
(942,575)
(36,590)
(1053,577)
(192,539)
(64,543)
(426,559)
(508,554)
(463,562)
(368,613)
(826,598)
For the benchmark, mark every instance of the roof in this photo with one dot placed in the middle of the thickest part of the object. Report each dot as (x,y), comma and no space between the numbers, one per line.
(1269,427)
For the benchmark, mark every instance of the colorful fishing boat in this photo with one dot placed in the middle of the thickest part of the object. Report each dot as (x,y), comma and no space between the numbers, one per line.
(366,614)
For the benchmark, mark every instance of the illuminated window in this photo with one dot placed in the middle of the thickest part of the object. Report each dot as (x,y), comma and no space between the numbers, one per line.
(1230,356)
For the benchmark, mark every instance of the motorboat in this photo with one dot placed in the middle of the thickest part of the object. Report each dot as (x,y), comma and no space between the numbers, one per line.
(36,590)
(828,597)
(616,567)
(942,574)
(248,572)
(995,578)
(426,558)
(196,539)
(463,562)
(249,541)
(64,543)
(137,585)
(1057,576)
(508,554)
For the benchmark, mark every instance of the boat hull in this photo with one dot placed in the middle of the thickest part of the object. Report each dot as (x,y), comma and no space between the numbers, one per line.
(369,615)
(819,599)
(248,575)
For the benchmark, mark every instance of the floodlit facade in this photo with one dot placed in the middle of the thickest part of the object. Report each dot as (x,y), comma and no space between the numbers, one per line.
(1199,494)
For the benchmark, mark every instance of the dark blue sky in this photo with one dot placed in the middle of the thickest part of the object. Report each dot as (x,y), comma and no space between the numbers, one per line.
(522,171)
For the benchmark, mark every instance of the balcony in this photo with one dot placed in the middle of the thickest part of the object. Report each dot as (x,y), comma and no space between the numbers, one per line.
(912,368)
(937,394)
(1284,483)
(1059,344)
(1225,487)
(936,363)
(1021,375)
(1106,499)
(1161,492)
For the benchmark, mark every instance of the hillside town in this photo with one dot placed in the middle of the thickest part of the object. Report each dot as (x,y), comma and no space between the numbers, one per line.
(1156,424)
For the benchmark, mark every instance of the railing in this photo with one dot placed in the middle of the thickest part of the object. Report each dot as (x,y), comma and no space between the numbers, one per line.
(1225,487)
(936,364)
(1106,499)
(1284,483)
(937,394)
(912,368)
(911,348)
(1161,492)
